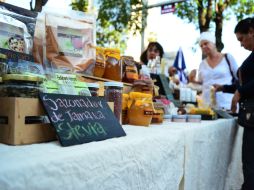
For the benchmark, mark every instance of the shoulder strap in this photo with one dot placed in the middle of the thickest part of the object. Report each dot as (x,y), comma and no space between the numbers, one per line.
(230,69)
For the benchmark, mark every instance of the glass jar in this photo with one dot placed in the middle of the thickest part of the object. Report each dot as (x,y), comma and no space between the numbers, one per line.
(158,112)
(113,93)
(113,69)
(100,64)
(3,64)
(18,85)
(93,88)
(125,109)
(141,109)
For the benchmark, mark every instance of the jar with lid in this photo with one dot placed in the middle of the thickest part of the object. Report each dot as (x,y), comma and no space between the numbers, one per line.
(141,109)
(125,109)
(113,93)
(3,64)
(18,85)
(158,112)
(93,88)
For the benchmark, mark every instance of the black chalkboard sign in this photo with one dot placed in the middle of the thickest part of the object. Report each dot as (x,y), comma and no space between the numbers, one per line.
(80,119)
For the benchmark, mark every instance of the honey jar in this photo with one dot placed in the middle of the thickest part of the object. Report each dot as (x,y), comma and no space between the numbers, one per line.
(141,109)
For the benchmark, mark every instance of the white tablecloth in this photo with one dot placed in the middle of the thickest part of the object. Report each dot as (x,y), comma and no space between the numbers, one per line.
(146,159)
(212,152)
(171,156)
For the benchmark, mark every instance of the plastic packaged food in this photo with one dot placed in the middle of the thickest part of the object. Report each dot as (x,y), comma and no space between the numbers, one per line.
(17,28)
(81,88)
(113,68)
(69,41)
(113,93)
(130,71)
(125,109)
(93,88)
(141,109)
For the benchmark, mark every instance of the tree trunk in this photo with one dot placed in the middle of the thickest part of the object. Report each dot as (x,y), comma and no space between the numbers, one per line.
(218,27)
(38,5)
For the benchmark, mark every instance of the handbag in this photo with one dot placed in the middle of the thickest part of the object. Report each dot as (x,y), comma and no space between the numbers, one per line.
(246,110)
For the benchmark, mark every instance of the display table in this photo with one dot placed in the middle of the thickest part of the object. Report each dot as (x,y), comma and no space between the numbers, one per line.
(146,158)
(208,152)
(169,156)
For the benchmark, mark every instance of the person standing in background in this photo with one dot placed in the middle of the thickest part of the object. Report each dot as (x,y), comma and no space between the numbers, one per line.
(153,49)
(216,68)
(244,31)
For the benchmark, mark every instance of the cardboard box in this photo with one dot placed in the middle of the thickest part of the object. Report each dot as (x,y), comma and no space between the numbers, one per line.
(13,127)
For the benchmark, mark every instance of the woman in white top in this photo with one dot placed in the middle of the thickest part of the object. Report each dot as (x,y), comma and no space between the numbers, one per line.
(215,69)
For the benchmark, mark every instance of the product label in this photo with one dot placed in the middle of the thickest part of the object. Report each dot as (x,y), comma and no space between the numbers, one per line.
(11,38)
(100,63)
(70,41)
(148,112)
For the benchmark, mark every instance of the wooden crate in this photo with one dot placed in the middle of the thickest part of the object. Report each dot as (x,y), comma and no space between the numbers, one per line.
(15,131)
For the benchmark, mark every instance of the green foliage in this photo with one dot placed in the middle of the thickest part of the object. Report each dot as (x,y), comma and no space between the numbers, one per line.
(189,10)
(80,5)
(115,19)
(206,14)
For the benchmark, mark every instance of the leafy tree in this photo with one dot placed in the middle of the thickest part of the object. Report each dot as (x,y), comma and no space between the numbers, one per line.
(208,14)
(116,18)
(80,5)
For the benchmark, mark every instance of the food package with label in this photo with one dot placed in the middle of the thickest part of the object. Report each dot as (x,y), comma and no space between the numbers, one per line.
(130,71)
(16,28)
(70,40)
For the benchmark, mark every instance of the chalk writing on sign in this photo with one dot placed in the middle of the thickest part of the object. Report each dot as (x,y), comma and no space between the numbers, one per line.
(80,119)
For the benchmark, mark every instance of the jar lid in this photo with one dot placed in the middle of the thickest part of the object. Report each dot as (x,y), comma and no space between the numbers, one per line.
(20,77)
(116,84)
(93,85)
(179,116)
(194,116)
(3,56)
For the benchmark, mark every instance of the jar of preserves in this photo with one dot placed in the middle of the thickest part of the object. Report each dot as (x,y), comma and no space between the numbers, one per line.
(141,109)
(17,85)
(158,112)
(3,64)
(113,93)
(125,109)
(93,88)
(100,64)
(113,69)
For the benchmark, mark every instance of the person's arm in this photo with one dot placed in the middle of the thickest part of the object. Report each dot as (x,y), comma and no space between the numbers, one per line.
(247,89)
